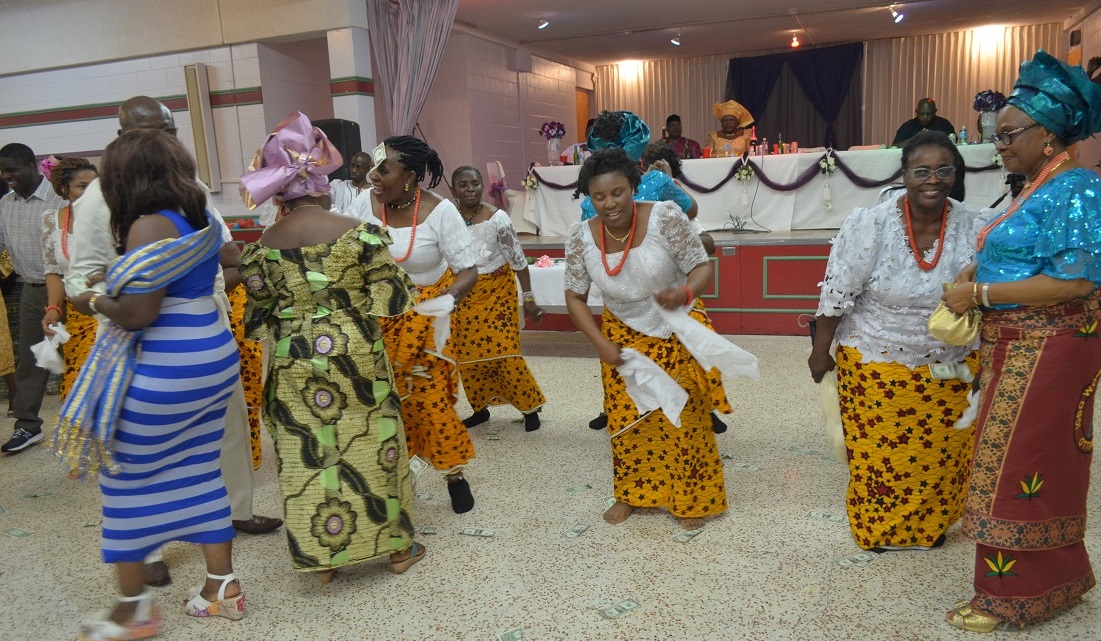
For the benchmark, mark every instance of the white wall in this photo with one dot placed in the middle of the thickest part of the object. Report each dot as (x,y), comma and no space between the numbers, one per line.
(295,77)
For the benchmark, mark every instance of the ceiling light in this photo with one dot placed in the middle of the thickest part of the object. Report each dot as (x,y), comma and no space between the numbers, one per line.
(676,40)
(896,15)
(543,24)
(795,41)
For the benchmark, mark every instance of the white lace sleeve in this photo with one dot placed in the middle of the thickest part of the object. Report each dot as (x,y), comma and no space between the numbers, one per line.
(460,248)
(676,234)
(851,262)
(577,278)
(49,232)
(511,248)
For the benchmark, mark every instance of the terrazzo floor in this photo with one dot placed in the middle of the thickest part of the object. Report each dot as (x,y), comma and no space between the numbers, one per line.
(765,570)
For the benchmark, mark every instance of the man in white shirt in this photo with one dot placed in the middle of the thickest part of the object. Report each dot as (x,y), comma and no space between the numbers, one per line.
(92,249)
(345,191)
(21,234)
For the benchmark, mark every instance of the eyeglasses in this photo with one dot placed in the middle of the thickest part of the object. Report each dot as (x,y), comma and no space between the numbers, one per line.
(921,174)
(1006,137)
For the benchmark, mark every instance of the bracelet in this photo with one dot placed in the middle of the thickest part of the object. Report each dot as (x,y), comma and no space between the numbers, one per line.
(60,312)
(986,294)
(528,297)
(975,292)
(690,294)
(92,303)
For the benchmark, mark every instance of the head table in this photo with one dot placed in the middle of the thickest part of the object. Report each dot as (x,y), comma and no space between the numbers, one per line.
(793,198)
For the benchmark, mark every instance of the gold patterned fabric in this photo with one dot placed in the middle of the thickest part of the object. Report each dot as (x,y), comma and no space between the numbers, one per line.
(7,353)
(908,465)
(486,331)
(329,398)
(428,381)
(1026,506)
(251,369)
(82,336)
(656,464)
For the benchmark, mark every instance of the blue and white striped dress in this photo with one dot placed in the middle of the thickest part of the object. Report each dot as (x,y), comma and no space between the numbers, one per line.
(170,429)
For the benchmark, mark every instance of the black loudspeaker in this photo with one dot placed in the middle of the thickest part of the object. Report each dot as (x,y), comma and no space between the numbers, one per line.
(344,134)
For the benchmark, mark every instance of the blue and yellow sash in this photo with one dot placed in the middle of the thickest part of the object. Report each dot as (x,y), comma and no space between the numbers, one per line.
(88,419)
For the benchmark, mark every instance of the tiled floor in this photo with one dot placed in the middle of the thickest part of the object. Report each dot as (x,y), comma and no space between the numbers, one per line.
(763,571)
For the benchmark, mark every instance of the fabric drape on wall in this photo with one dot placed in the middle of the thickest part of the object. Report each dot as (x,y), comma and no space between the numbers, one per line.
(750,81)
(790,112)
(657,88)
(825,76)
(948,67)
(408,40)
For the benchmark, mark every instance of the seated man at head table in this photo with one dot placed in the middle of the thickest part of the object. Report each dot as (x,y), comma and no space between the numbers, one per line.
(686,148)
(925,118)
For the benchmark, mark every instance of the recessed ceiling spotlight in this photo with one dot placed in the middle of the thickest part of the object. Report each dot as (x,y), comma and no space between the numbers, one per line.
(896,15)
(794,41)
(543,24)
(676,40)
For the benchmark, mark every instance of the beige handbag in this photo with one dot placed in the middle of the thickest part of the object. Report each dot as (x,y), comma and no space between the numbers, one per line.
(952,328)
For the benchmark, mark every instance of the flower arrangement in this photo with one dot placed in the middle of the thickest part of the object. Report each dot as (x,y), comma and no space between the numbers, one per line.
(552,129)
(544,261)
(828,164)
(988,100)
(530,182)
(997,160)
(745,172)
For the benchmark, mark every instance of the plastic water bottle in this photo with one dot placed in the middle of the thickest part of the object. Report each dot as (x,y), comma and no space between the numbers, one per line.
(963,135)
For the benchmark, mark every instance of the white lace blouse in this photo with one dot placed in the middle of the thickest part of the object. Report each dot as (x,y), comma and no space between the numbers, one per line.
(873,280)
(443,240)
(56,260)
(671,249)
(500,244)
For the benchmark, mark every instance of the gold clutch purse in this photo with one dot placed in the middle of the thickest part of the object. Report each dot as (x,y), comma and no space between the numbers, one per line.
(952,328)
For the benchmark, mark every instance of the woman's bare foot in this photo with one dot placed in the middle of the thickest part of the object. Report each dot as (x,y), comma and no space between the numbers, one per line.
(325,576)
(618,513)
(692,524)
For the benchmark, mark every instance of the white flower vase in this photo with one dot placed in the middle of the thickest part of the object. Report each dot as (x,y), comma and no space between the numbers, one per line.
(554,151)
(745,194)
(988,121)
(827,197)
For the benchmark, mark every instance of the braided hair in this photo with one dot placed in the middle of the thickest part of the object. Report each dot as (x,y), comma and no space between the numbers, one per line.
(62,174)
(416,156)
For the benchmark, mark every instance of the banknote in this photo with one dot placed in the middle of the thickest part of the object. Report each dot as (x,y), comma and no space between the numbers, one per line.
(574,489)
(495,436)
(575,530)
(860,560)
(16,533)
(417,466)
(422,496)
(426,529)
(515,634)
(609,501)
(686,536)
(613,611)
(477,531)
(823,516)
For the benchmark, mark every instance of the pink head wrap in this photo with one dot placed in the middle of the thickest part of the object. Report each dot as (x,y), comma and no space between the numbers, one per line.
(47,165)
(294,161)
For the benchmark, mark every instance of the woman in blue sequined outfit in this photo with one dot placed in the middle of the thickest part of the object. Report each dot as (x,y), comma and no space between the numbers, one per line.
(1036,279)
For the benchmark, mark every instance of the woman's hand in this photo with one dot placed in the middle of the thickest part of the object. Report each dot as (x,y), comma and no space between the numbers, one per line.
(51,317)
(672,297)
(533,311)
(94,278)
(967,274)
(960,299)
(610,353)
(820,362)
(663,167)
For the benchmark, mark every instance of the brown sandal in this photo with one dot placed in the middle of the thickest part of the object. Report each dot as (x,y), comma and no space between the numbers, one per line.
(416,553)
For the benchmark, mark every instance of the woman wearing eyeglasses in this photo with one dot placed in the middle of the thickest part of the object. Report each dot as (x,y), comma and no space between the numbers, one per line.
(908,463)
(1036,278)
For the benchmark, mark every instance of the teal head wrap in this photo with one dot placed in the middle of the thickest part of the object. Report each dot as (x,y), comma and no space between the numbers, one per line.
(633,136)
(1060,97)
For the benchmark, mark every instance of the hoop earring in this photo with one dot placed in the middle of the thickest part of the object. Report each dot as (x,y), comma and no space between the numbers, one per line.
(1048,150)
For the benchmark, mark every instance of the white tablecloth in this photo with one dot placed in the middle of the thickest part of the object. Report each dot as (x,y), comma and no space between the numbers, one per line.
(548,285)
(555,210)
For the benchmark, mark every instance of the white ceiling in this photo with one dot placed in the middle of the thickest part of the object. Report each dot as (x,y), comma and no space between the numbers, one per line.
(604,31)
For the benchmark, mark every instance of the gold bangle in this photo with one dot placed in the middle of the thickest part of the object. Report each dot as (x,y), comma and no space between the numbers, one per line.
(92,303)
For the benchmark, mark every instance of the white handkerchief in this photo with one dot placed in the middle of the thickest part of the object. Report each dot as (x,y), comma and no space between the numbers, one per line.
(650,387)
(46,354)
(707,347)
(971,413)
(440,307)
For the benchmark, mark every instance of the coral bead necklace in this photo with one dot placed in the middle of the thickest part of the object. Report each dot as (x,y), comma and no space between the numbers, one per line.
(626,249)
(1019,200)
(918,254)
(413,229)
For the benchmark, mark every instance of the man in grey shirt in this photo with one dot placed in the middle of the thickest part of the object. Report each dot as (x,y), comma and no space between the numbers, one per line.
(21,212)
(92,250)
